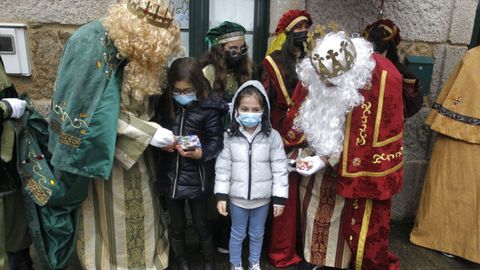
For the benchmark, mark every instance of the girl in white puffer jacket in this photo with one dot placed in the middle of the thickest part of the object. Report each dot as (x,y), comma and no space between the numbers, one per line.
(250,171)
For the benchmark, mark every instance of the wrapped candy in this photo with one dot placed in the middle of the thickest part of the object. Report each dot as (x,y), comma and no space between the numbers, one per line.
(304,164)
(189,142)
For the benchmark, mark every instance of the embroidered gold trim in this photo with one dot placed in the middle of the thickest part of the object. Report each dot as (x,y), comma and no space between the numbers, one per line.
(363,130)
(239,35)
(378,158)
(457,100)
(40,193)
(294,22)
(39,190)
(63,115)
(64,138)
(378,120)
(280,81)
(345,172)
(107,57)
(356,162)
(37,168)
(363,234)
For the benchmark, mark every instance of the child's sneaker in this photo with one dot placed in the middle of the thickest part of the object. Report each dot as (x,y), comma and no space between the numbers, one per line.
(236,267)
(254,266)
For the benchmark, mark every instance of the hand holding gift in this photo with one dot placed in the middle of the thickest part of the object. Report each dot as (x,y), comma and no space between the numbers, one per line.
(309,165)
(189,146)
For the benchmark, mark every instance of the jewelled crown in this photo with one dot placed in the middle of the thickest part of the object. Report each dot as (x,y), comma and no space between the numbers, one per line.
(334,54)
(156,14)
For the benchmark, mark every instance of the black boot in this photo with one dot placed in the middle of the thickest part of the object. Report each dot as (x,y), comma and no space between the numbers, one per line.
(209,254)
(178,247)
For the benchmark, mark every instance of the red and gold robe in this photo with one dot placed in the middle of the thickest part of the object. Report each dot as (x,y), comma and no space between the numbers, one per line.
(371,167)
(285,104)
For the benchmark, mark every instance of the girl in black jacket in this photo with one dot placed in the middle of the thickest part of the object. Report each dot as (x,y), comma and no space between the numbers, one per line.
(189,108)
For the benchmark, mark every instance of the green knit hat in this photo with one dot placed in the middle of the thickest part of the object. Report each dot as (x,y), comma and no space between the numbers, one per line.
(225,32)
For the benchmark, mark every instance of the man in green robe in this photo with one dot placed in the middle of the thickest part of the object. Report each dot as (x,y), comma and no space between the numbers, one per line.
(99,137)
(14,236)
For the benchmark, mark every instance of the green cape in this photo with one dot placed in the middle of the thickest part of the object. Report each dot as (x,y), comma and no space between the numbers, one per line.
(86,103)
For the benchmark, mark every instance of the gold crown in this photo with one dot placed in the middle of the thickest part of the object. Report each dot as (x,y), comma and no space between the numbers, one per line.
(345,49)
(338,68)
(319,31)
(156,14)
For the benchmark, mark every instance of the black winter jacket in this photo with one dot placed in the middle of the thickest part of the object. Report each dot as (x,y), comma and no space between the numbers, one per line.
(186,178)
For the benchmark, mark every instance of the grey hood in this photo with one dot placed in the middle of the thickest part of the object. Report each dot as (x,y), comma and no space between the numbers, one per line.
(232,128)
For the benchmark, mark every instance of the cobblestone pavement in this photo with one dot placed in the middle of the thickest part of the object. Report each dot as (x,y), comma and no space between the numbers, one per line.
(411,257)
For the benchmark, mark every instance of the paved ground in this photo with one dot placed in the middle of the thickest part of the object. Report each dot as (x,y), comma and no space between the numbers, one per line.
(411,257)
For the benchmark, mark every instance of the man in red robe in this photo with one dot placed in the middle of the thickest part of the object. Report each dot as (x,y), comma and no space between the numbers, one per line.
(344,75)
(371,168)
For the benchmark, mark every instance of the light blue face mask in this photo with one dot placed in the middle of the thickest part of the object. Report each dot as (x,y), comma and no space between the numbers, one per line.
(185,99)
(250,119)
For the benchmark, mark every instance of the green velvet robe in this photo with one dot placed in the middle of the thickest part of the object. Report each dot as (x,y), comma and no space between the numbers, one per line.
(119,224)
(14,235)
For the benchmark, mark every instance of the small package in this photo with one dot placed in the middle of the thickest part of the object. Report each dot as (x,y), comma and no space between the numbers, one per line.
(304,164)
(189,142)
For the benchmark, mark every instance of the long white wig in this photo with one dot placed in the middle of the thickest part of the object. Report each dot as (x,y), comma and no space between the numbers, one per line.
(322,115)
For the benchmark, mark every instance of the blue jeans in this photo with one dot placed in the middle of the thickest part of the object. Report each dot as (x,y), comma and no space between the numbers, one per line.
(255,219)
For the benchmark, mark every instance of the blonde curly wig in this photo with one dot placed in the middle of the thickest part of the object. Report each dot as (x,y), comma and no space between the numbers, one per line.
(148,49)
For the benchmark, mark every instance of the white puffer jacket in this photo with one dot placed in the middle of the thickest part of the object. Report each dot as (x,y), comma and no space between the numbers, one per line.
(255,170)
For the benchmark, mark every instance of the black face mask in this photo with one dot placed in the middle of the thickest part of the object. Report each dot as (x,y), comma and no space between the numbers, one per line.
(233,60)
(299,38)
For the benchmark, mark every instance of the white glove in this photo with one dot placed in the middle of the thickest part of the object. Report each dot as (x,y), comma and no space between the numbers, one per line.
(316,162)
(18,106)
(162,138)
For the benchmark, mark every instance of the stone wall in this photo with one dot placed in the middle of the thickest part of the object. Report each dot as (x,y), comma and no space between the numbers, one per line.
(50,24)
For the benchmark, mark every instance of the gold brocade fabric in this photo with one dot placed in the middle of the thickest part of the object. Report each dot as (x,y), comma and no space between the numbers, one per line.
(448,217)
(231,84)
(459,100)
(122,225)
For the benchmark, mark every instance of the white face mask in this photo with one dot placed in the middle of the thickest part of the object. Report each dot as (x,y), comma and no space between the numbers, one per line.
(249,119)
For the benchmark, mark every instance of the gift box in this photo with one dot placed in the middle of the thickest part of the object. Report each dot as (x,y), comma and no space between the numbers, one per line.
(189,142)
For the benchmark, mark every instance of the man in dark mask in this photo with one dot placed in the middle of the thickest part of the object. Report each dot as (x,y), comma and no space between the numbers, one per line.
(286,95)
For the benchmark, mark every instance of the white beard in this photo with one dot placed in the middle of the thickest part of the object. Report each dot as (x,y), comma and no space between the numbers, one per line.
(323,113)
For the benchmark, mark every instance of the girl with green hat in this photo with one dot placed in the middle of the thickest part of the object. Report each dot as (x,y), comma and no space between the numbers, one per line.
(226,64)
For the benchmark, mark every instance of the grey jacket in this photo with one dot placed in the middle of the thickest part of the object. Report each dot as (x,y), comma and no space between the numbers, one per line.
(252,170)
